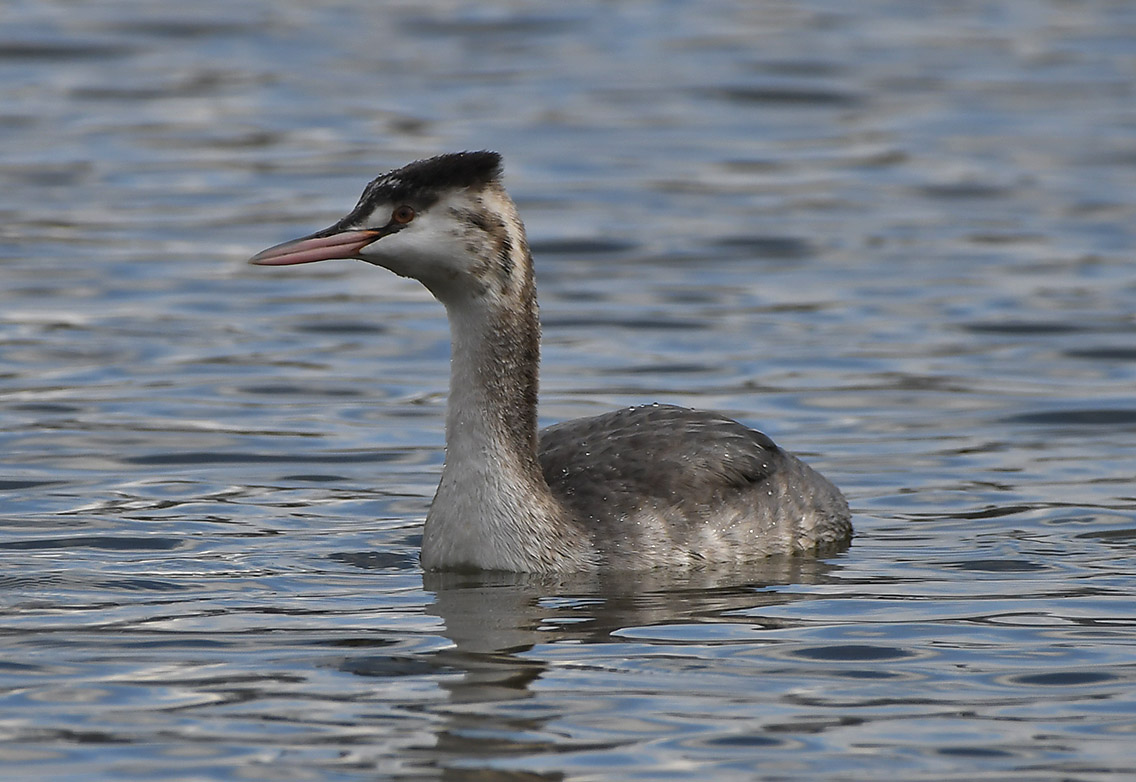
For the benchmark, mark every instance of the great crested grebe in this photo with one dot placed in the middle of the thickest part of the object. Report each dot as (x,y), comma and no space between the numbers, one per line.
(643,487)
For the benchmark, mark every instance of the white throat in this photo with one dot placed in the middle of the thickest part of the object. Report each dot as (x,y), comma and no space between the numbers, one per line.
(493,509)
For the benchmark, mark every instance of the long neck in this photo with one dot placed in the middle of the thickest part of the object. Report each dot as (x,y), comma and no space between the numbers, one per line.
(493,508)
(492,410)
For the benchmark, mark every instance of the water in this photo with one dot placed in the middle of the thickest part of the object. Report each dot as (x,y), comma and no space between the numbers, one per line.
(896,236)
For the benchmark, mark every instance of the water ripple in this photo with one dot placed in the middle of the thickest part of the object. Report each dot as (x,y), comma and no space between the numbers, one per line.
(898,237)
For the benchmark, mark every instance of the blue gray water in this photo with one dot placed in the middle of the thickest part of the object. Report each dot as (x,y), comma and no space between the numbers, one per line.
(899,237)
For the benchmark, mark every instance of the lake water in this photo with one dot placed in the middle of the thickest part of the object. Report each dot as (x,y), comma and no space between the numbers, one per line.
(898,237)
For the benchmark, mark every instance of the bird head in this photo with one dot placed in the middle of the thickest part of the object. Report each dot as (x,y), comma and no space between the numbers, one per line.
(445,221)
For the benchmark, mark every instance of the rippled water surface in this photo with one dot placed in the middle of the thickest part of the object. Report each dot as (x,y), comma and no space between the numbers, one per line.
(896,236)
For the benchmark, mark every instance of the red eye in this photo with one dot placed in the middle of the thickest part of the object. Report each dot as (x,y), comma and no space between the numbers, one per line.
(403,215)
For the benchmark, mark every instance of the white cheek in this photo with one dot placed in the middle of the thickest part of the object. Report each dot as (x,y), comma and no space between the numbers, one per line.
(415,251)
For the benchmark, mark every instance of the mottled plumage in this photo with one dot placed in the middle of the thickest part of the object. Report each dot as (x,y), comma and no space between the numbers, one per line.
(632,489)
(666,484)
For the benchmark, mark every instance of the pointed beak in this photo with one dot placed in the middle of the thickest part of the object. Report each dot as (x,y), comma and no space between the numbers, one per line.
(321,246)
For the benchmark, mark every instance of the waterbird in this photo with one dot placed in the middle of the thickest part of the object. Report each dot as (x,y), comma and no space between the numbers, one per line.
(652,486)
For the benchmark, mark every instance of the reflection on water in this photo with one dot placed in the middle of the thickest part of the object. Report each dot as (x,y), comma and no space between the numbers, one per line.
(626,627)
(898,237)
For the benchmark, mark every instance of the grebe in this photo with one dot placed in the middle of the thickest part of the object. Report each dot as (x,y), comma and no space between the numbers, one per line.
(643,487)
